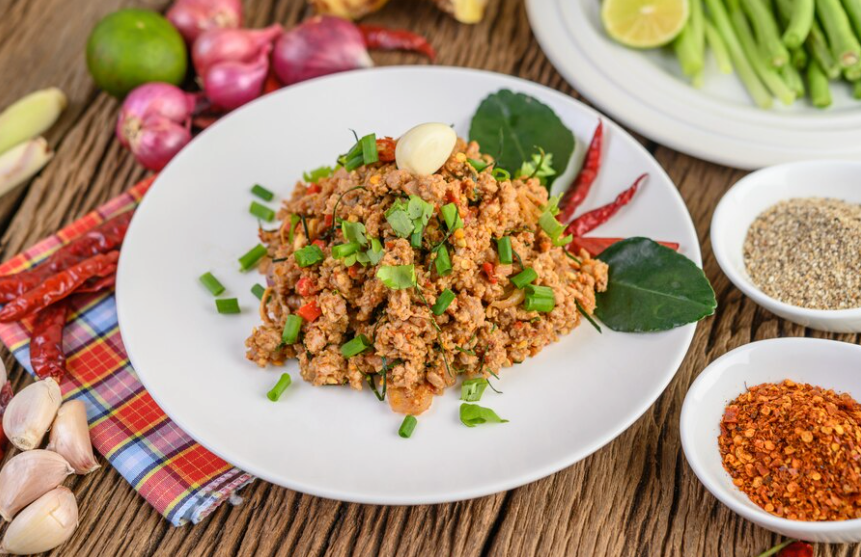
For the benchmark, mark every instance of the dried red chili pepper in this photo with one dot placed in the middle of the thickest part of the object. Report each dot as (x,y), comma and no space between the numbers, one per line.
(106,237)
(380,38)
(596,245)
(490,271)
(313,188)
(797,549)
(310,311)
(59,286)
(328,220)
(596,217)
(46,342)
(98,284)
(6,395)
(579,188)
(353,270)
(386,149)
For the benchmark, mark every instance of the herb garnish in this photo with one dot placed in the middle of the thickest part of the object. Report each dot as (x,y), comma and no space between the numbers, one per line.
(472,415)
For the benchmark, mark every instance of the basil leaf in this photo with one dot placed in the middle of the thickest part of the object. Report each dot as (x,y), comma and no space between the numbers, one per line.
(652,288)
(472,415)
(510,126)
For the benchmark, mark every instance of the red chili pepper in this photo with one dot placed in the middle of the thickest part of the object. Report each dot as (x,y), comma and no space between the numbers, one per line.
(596,245)
(46,342)
(327,220)
(102,239)
(309,311)
(596,217)
(353,270)
(579,189)
(305,287)
(386,149)
(59,286)
(313,188)
(797,549)
(319,243)
(6,395)
(380,38)
(490,271)
(98,284)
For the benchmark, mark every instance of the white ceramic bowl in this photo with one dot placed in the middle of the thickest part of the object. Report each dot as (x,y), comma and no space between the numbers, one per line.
(826,363)
(758,191)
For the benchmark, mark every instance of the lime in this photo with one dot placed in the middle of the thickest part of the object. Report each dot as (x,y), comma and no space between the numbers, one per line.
(131,47)
(644,23)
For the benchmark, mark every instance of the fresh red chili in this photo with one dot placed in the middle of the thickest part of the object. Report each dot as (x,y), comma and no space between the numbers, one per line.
(490,271)
(313,188)
(596,217)
(6,395)
(380,38)
(328,220)
(59,286)
(353,270)
(319,243)
(46,342)
(579,188)
(309,311)
(305,287)
(797,549)
(386,149)
(596,245)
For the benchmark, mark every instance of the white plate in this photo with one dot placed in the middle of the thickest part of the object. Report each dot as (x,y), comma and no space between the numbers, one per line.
(825,363)
(719,123)
(573,398)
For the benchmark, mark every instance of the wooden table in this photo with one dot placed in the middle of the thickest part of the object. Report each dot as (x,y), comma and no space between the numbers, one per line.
(636,496)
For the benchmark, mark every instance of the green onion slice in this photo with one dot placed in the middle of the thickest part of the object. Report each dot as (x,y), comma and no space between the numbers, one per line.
(539,298)
(501,175)
(294,220)
(262,192)
(503,246)
(279,388)
(442,261)
(369,149)
(309,255)
(524,277)
(227,305)
(397,277)
(356,346)
(472,415)
(211,283)
(472,389)
(341,251)
(251,258)
(477,164)
(262,212)
(407,427)
(451,216)
(314,175)
(444,300)
(291,329)
(258,291)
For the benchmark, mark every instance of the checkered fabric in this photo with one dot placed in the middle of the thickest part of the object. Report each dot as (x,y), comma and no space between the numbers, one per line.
(181,479)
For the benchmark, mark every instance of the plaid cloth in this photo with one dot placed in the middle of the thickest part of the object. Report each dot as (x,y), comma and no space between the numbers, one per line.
(177,476)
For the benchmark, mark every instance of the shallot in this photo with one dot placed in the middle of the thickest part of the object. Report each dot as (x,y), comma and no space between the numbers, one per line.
(229,85)
(193,17)
(322,45)
(231,45)
(154,123)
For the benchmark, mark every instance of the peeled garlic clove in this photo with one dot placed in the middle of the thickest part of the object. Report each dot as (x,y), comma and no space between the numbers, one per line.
(70,437)
(27,476)
(425,148)
(30,116)
(47,523)
(31,412)
(22,162)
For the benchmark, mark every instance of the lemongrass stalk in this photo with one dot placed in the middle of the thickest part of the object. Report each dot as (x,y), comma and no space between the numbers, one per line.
(745,71)
(718,48)
(837,28)
(698,25)
(793,80)
(29,116)
(817,83)
(768,74)
(799,23)
(22,162)
(767,34)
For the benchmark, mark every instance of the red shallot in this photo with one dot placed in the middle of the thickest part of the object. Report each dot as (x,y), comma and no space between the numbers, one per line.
(231,45)
(229,85)
(322,45)
(193,17)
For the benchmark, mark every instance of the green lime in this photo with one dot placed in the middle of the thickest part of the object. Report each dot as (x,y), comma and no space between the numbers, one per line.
(644,23)
(131,47)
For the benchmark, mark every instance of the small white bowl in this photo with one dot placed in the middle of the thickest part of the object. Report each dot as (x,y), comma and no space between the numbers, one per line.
(758,191)
(826,363)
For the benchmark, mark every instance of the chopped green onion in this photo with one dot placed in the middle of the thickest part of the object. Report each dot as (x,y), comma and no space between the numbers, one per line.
(294,220)
(540,167)
(442,261)
(227,305)
(503,246)
(262,212)
(451,216)
(524,277)
(279,388)
(341,251)
(588,317)
(309,255)
(251,258)
(477,164)
(356,346)
(539,298)
(416,238)
(501,175)
(369,149)
(552,205)
(316,174)
(262,192)
(472,415)
(258,291)
(397,277)
(354,232)
(375,254)
(472,389)
(444,300)
(211,283)
(291,329)
(407,427)
(362,153)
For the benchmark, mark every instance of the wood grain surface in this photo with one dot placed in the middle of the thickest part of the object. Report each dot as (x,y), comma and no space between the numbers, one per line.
(635,497)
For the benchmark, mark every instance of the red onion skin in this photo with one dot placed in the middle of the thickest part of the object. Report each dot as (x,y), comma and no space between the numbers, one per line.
(158,141)
(320,46)
(230,45)
(229,85)
(193,17)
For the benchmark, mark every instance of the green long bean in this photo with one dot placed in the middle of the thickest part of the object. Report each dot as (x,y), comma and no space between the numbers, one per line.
(793,80)
(718,48)
(799,22)
(817,82)
(856,89)
(853,10)
(766,31)
(837,28)
(817,46)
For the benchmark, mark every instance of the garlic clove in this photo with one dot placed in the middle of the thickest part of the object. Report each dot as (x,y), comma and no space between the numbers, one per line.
(31,412)
(70,437)
(425,148)
(27,476)
(45,524)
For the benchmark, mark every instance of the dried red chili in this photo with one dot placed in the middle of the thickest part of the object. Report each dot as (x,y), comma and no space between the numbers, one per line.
(579,188)
(489,270)
(797,549)
(795,450)
(97,284)
(380,38)
(46,342)
(596,217)
(386,149)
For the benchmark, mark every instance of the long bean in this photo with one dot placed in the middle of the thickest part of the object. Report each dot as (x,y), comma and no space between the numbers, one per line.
(837,28)
(856,89)
(853,10)
(798,56)
(718,48)
(767,34)
(817,45)
(746,73)
(800,20)
(690,57)
(792,78)
(817,82)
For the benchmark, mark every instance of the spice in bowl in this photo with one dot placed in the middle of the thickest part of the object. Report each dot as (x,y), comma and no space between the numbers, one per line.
(795,450)
(807,252)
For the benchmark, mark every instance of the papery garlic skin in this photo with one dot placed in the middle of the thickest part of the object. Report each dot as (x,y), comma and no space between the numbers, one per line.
(46,523)
(70,437)
(31,412)
(30,116)
(27,476)
(425,148)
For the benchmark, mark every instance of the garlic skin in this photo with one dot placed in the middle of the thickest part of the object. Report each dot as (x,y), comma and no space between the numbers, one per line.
(31,412)
(70,437)
(27,476)
(425,148)
(47,523)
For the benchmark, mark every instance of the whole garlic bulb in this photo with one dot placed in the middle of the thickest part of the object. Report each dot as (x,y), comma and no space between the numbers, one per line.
(31,412)
(70,436)
(27,476)
(425,148)
(45,524)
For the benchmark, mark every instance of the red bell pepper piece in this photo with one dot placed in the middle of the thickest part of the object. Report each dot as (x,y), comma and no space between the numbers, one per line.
(310,311)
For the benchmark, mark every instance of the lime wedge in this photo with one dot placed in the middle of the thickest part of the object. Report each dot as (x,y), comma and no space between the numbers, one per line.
(644,23)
